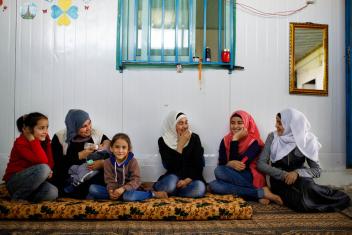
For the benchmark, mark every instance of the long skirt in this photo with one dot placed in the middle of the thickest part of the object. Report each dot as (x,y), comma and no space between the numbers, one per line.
(307,196)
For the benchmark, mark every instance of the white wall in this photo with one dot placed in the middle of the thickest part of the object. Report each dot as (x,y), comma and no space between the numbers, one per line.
(50,68)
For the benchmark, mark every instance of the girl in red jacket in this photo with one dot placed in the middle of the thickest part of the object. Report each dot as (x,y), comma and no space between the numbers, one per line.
(31,161)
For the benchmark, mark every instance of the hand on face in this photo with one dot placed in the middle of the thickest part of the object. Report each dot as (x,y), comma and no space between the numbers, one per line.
(238,135)
(184,137)
(27,132)
(238,128)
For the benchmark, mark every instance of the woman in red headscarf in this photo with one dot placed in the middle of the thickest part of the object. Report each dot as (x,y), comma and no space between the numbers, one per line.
(237,172)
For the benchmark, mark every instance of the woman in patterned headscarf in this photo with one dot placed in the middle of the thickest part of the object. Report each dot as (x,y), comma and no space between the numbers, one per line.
(238,153)
(288,148)
(68,147)
(182,156)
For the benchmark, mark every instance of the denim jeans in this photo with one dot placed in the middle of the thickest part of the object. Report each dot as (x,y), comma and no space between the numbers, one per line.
(230,181)
(100,192)
(30,184)
(168,184)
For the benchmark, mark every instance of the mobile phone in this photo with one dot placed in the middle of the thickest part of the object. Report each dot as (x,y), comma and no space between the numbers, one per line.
(244,159)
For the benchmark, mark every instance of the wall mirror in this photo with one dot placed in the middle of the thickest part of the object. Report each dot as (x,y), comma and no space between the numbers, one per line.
(309,59)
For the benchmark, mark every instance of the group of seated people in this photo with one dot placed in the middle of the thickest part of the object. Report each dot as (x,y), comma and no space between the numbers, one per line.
(81,162)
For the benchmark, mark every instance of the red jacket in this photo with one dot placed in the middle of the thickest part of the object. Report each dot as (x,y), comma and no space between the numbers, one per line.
(26,153)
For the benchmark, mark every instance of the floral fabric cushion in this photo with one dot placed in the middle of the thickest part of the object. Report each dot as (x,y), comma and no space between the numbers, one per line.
(210,207)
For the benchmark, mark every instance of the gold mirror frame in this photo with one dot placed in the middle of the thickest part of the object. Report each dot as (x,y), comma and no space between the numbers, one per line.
(308,27)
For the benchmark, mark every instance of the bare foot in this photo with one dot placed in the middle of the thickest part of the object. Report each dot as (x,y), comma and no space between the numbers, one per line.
(264,201)
(160,194)
(272,197)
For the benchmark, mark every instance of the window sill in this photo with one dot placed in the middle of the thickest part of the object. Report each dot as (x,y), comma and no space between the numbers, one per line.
(168,64)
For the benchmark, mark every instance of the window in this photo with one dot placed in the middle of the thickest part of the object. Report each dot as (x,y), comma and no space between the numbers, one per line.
(170,32)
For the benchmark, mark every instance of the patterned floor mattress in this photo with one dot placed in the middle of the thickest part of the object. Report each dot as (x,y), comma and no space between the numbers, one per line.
(210,207)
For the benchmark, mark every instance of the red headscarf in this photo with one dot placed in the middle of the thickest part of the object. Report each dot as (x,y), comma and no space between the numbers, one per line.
(244,143)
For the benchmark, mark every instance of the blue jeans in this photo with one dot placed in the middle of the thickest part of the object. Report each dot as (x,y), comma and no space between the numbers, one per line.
(168,184)
(100,192)
(230,181)
(30,184)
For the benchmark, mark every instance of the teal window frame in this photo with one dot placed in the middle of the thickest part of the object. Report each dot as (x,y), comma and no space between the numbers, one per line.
(129,51)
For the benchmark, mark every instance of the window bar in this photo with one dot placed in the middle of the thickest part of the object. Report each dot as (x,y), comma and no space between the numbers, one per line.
(204,29)
(219,29)
(135,46)
(176,30)
(119,41)
(149,29)
(162,30)
(231,35)
(190,30)
(234,34)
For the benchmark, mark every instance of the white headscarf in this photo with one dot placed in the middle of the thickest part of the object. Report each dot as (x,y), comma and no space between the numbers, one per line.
(296,133)
(169,133)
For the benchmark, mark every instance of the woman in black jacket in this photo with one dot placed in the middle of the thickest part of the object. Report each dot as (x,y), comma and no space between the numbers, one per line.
(182,156)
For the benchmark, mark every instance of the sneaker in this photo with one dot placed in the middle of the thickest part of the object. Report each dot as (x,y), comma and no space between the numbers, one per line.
(160,194)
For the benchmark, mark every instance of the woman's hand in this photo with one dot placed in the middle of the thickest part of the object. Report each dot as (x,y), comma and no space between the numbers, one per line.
(183,138)
(183,183)
(115,194)
(291,177)
(84,153)
(28,134)
(50,175)
(237,165)
(239,135)
(96,165)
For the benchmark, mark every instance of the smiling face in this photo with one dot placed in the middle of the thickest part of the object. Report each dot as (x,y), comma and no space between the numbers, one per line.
(120,149)
(181,126)
(86,129)
(40,131)
(236,124)
(279,127)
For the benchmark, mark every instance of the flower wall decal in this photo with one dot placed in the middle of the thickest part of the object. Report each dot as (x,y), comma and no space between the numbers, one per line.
(63,11)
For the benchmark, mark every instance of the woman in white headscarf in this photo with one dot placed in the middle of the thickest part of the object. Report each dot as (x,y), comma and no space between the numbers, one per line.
(288,148)
(182,156)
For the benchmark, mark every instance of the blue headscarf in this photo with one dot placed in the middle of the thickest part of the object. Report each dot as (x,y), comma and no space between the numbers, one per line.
(74,121)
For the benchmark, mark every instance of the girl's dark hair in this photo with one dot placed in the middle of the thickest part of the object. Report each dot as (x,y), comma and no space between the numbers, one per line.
(29,120)
(121,136)
(279,115)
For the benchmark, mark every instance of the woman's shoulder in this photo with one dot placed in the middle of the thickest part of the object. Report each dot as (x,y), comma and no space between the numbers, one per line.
(270,136)
(195,136)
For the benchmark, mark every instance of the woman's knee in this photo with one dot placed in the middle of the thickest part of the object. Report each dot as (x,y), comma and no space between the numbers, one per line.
(196,189)
(200,188)
(42,171)
(167,184)
(220,172)
(51,193)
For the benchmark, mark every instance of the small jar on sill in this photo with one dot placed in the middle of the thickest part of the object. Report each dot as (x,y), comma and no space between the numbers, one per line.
(226,56)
